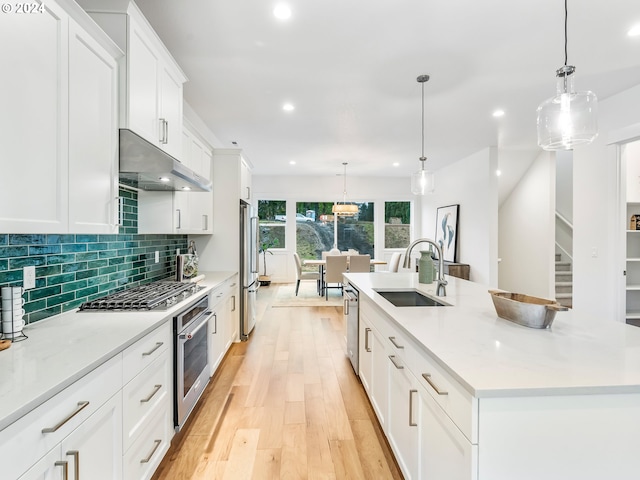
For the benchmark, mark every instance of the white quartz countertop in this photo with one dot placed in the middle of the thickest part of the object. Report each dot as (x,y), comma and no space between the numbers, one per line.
(492,357)
(62,349)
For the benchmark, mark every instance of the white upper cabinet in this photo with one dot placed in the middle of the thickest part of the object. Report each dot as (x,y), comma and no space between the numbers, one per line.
(33,183)
(151,81)
(57,131)
(93,140)
(245,181)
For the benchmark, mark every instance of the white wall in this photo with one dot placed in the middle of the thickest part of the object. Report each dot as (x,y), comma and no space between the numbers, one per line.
(596,246)
(328,189)
(526,234)
(472,184)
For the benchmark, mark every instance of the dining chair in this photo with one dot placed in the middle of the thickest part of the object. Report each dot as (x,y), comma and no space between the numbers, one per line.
(394,262)
(359,263)
(336,266)
(300,275)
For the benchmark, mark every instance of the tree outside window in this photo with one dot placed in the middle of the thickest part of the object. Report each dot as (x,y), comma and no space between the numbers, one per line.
(397,224)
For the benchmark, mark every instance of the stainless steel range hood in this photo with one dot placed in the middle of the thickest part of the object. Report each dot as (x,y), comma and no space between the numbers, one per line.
(145,166)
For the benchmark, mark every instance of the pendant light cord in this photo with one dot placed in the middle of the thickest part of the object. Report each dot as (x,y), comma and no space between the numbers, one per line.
(565,32)
(422,125)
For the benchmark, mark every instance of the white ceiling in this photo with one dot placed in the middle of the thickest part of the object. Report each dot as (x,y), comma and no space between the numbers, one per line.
(350,68)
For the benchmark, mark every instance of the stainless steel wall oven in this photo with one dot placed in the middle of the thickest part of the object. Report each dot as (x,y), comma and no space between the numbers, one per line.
(191,366)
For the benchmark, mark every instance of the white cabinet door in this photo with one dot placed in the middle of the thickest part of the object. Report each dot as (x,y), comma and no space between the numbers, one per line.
(93,142)
(49,467)
(94,449)
(445,453)
(33,126)
(402,424)
(245,181)
(143,65)
(380,387)
(170,112)
(234,313)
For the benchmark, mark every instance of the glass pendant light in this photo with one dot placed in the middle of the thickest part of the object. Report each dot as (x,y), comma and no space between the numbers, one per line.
(422,181)
(570,118)
(344,209)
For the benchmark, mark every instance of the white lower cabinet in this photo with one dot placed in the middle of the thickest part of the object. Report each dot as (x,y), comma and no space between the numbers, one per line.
(422,410)
(445,453)
(373,367)
(402,423)
(223,323)
(114,423)
(93,450)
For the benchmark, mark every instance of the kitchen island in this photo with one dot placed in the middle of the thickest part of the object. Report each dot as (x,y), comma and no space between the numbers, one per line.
(463,394)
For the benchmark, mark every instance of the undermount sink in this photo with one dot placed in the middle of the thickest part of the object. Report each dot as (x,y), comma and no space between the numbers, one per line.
(410,298)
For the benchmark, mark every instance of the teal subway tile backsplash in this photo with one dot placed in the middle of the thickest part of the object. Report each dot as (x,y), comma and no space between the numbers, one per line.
(74,268)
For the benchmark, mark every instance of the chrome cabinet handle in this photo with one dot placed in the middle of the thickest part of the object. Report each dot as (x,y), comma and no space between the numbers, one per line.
(367,330)
(166,131)
(346,306)
(65,468)
(76,457)
(120,212)
(179,219)
(150,352)
(427,377)
(81,406)
(395,364)
(215,324)
(248,193)
(411,422)
(205,221)
(164,135)
(155,447)
(233,297)
(156,389)
(395,344)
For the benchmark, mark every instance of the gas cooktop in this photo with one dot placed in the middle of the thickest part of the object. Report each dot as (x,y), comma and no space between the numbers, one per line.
(151,296)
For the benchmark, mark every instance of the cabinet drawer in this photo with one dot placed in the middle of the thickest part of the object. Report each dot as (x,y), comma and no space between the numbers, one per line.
(141,396)
(146,350)
(24,442)
(146,452)
(458,404)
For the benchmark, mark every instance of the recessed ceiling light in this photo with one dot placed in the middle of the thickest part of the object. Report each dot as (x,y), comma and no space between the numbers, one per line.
(634,31)
(164,179)
(396,164)
(282,11)
(498,113)
(287,107)
(498,173)
(292,162)
(186,189)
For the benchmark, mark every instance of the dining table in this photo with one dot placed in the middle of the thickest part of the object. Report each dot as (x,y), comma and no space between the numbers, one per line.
(321,263)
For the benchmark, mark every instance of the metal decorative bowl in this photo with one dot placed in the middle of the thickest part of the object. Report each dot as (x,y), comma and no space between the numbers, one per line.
(525,310)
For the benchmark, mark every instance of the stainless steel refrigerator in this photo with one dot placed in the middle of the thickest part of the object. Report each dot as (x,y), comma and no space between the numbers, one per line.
(248,269)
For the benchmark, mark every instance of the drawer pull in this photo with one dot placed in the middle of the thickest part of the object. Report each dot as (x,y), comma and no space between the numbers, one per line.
(367,330)
(427,377)
(411,422)
(150,352)
(393,360)
(155,447)
(65,468)
(156,388)
(81,406)
(76,457)
(395,344)
(233,309)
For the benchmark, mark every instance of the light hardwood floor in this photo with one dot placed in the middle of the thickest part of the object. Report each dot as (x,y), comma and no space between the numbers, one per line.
(286,404)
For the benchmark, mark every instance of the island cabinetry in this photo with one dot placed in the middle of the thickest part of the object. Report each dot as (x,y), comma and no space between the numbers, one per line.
(373,366)
(86,417)
(430,421)
(147,403)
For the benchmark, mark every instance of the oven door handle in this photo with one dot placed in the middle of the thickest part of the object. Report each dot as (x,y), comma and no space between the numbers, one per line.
(186,336)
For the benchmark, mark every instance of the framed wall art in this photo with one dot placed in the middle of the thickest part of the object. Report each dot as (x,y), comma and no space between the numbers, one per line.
(447,231)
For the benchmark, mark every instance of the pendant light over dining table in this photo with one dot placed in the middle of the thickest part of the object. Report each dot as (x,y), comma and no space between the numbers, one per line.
(344,209)
(422,181)
(570,118)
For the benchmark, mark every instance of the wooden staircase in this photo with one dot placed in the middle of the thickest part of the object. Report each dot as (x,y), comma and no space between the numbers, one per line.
(564,282)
